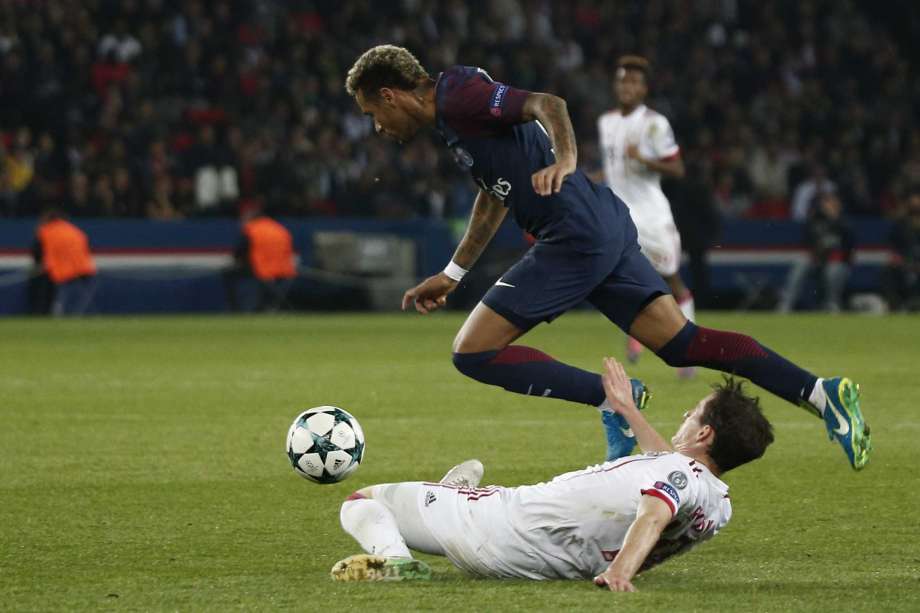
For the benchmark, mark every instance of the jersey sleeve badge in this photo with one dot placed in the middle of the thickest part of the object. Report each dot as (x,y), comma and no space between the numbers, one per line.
(678,479)
(666,492)
(495,101)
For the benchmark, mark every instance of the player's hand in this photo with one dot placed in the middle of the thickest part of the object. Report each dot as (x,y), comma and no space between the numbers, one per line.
(632,152)
(617,387)
(430,294)
(613,583)
(549,180)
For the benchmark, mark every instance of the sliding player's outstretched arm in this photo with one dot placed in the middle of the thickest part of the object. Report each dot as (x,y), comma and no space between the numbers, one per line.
(552,113)
(431,294)
(652,517)
(619,393)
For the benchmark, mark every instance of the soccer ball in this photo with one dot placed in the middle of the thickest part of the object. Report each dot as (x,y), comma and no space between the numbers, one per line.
(325,444)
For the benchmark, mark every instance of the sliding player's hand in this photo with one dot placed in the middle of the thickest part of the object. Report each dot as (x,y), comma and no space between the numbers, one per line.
(614,584)
(430,294)
(617,387)
(549,180)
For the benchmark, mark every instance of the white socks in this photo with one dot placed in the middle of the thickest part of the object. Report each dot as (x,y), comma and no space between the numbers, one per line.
(374,527)
(818,398)
(687,307)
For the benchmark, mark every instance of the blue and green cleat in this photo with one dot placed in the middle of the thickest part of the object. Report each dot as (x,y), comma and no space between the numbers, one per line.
(620,438)
(844,420)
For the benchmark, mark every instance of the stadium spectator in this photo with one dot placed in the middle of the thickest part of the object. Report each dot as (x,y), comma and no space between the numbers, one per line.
(830,242)
(265,253)
(768,167)
(50,172)
(902,278)
(811,191)
(61,251)
(161,204)
(818,80)
(80,201)
(17,172)
(734,191)
(125,196)
(120,43)
(213,171)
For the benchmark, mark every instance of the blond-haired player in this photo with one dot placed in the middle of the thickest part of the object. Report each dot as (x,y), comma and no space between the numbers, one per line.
(519,147)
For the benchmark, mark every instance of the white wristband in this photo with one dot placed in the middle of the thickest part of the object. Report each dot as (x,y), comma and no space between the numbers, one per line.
(454,271)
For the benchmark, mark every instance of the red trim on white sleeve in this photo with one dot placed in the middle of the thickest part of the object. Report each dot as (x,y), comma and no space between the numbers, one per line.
(659,494)
(673,156)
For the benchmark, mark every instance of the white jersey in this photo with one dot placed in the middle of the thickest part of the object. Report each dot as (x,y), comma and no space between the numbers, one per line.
(631,180)
(573,526)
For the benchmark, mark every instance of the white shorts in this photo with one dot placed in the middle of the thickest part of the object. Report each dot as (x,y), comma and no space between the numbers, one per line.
(660,243)
(402,501)
(439,519)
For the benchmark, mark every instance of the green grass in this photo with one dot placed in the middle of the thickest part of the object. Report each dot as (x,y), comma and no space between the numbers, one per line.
(142,465)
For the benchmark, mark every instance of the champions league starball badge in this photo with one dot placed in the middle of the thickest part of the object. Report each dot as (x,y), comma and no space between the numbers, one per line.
(678,479)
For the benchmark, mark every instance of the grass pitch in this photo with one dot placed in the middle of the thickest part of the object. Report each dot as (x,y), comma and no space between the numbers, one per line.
(142,465)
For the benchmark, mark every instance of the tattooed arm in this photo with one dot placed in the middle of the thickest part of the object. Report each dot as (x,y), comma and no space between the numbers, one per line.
(488,214)
(552,112)
(431,294)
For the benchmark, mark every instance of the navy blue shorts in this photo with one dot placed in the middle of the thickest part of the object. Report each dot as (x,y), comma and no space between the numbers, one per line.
(551,279)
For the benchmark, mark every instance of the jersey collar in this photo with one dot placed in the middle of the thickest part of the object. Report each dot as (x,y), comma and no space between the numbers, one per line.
(705,473)
(447,133)
(639,109)
(462,157)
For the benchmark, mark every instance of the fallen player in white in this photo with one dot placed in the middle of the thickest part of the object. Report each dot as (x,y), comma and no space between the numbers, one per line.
(606,522)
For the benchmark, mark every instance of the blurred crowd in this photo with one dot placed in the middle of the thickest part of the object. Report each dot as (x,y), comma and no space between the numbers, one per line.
(167,109)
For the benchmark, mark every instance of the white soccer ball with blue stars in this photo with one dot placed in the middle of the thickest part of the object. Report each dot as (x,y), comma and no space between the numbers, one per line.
(325,444)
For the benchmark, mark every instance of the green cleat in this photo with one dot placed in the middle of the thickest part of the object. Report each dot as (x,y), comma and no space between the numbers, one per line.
(365,567)
(844,420)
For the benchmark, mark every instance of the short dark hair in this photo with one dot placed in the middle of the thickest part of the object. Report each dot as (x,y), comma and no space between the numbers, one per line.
(384,66)
(742,433)
(634,62)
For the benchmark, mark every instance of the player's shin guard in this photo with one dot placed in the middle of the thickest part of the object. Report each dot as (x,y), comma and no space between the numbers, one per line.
(738,354)
(374,527)
(529,371)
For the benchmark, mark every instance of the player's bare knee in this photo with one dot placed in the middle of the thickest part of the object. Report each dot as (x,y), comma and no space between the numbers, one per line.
(458,345)
(467,342)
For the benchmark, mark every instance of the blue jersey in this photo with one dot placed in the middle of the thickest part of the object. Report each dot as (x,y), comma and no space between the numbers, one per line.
(481,122)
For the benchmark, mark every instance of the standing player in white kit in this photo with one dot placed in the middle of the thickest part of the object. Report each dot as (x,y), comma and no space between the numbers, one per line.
(638,147)
(605,522)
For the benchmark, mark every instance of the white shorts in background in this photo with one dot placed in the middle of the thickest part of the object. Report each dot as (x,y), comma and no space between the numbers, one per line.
(660,243)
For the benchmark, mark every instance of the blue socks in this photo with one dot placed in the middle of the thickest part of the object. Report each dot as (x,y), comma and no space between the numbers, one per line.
(525,370)
(529,371)
(739,354)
